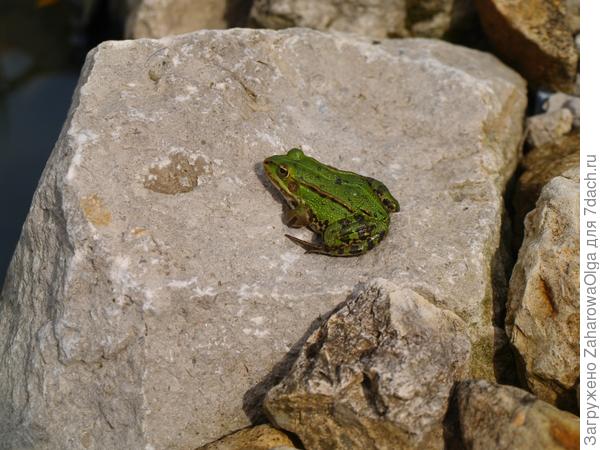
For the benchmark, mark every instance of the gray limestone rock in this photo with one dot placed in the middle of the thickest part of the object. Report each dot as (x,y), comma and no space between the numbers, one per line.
(560,100)
(377,375)
(153,298)
(545,128)
(374,18)
(543,305)
(491,416)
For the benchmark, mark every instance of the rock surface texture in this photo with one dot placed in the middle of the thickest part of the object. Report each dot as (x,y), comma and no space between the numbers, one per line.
(548,127)
(158,18)
(560,100)
(376,376)
(490,416)
(374,18)
(153,298)
(543,306)
(535,37)
(261,437)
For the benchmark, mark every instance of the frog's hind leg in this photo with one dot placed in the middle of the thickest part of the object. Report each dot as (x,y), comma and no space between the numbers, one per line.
(352,236)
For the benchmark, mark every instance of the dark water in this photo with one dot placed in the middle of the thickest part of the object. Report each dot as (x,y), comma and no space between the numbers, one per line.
(42,49)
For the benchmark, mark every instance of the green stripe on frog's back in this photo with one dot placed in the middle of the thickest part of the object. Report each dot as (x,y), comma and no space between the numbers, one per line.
(322,211)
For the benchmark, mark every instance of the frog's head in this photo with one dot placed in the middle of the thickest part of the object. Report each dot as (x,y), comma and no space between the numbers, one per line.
(281,170)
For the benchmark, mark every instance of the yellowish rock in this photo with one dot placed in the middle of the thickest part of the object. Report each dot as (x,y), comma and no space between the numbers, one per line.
(491,416)
(542,319)
(535,37)
(261,437)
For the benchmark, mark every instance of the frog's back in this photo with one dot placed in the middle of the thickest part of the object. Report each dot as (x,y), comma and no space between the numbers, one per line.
(334,194)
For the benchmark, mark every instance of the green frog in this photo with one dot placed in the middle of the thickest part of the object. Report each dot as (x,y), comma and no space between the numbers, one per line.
(350,212)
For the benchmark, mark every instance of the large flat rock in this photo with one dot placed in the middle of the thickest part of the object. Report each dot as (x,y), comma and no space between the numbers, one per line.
(153,297)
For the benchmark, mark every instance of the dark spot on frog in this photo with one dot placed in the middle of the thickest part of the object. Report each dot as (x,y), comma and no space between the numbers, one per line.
(388,203)
(338,180)
(381,235)
(365,231)
(371,243)
(375,42)
(176,175)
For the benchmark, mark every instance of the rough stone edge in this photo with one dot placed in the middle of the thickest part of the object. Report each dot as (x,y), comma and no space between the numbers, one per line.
(16,428)
(19,428)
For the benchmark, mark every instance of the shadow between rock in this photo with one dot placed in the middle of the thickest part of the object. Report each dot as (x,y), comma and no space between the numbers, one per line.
(453,439)
(237,12)
(503,260)
(254,397)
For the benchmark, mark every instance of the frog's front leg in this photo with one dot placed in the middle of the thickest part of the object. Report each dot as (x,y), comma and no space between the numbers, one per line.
(351,236)
(297,217)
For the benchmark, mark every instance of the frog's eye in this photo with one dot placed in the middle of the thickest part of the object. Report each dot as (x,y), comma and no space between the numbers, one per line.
(283,171)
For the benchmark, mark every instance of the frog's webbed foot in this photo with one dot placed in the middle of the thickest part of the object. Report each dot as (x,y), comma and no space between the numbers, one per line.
(308,246)
(353,249)
(343,250)
(347,237)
